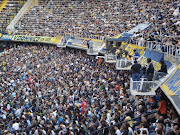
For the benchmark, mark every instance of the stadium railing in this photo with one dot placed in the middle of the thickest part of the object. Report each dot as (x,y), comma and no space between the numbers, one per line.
(92,51)
(143,87)
(172,52)
(110,58)
(21,12)
(124,64)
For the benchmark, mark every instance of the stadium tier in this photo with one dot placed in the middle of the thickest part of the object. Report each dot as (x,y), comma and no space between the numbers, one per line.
(101,18)
(89,67)
(8,10)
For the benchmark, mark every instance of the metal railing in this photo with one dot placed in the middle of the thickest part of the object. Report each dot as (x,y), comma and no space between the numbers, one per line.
(91,36)
(172,52)
(110,58)
(91,51)
(143,87)
(61,44)
(124,64)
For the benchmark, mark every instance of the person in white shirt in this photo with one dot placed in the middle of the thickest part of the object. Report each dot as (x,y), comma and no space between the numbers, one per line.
(18,112)
(15,126)
(117,130)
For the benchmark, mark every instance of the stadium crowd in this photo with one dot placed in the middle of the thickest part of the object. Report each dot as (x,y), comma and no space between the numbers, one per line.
(8,12)
(165,26)
(76,17)
(48,90)
(102,18)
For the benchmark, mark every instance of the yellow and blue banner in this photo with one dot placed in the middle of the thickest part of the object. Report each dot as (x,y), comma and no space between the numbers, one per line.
(81,42)
(117,36)
(23,38)
(171,88)
(172,85)
(32,39)
(97,44)
(130,49)
(6,37)
(155,56)
(57,39)
(77,42)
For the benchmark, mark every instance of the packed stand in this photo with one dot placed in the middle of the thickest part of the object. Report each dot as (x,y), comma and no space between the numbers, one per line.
(82,18)
(163,34)
(101,18)
(9,12)
(48,90)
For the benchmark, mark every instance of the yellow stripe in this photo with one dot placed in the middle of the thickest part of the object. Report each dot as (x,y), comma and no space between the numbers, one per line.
(123,43)
(79,45)
(4,3)
(57,39)
(118,36)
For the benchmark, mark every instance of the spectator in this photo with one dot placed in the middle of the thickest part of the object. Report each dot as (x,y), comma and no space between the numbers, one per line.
(119,53)
(117,130)
(163,107)
(136,54)
(150,70)
(162,72)
(43,88)
(136,71)
(90,44)
(44,91)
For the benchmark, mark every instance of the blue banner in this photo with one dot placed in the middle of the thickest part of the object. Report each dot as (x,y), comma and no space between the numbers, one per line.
(7,37)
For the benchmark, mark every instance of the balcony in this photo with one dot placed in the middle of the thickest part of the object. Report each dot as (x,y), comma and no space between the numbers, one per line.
(61,44)
(124,64)
(110,58)
(91,51)
(143,87)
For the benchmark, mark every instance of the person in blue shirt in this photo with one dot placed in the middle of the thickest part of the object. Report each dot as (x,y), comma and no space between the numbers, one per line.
(136,54)
(60,119)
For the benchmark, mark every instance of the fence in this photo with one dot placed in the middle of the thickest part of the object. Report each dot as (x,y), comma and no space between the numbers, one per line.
(85,36)
(91,51)
(110,58)
(61,44)
(172,52)
(123,64)
(143,87)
